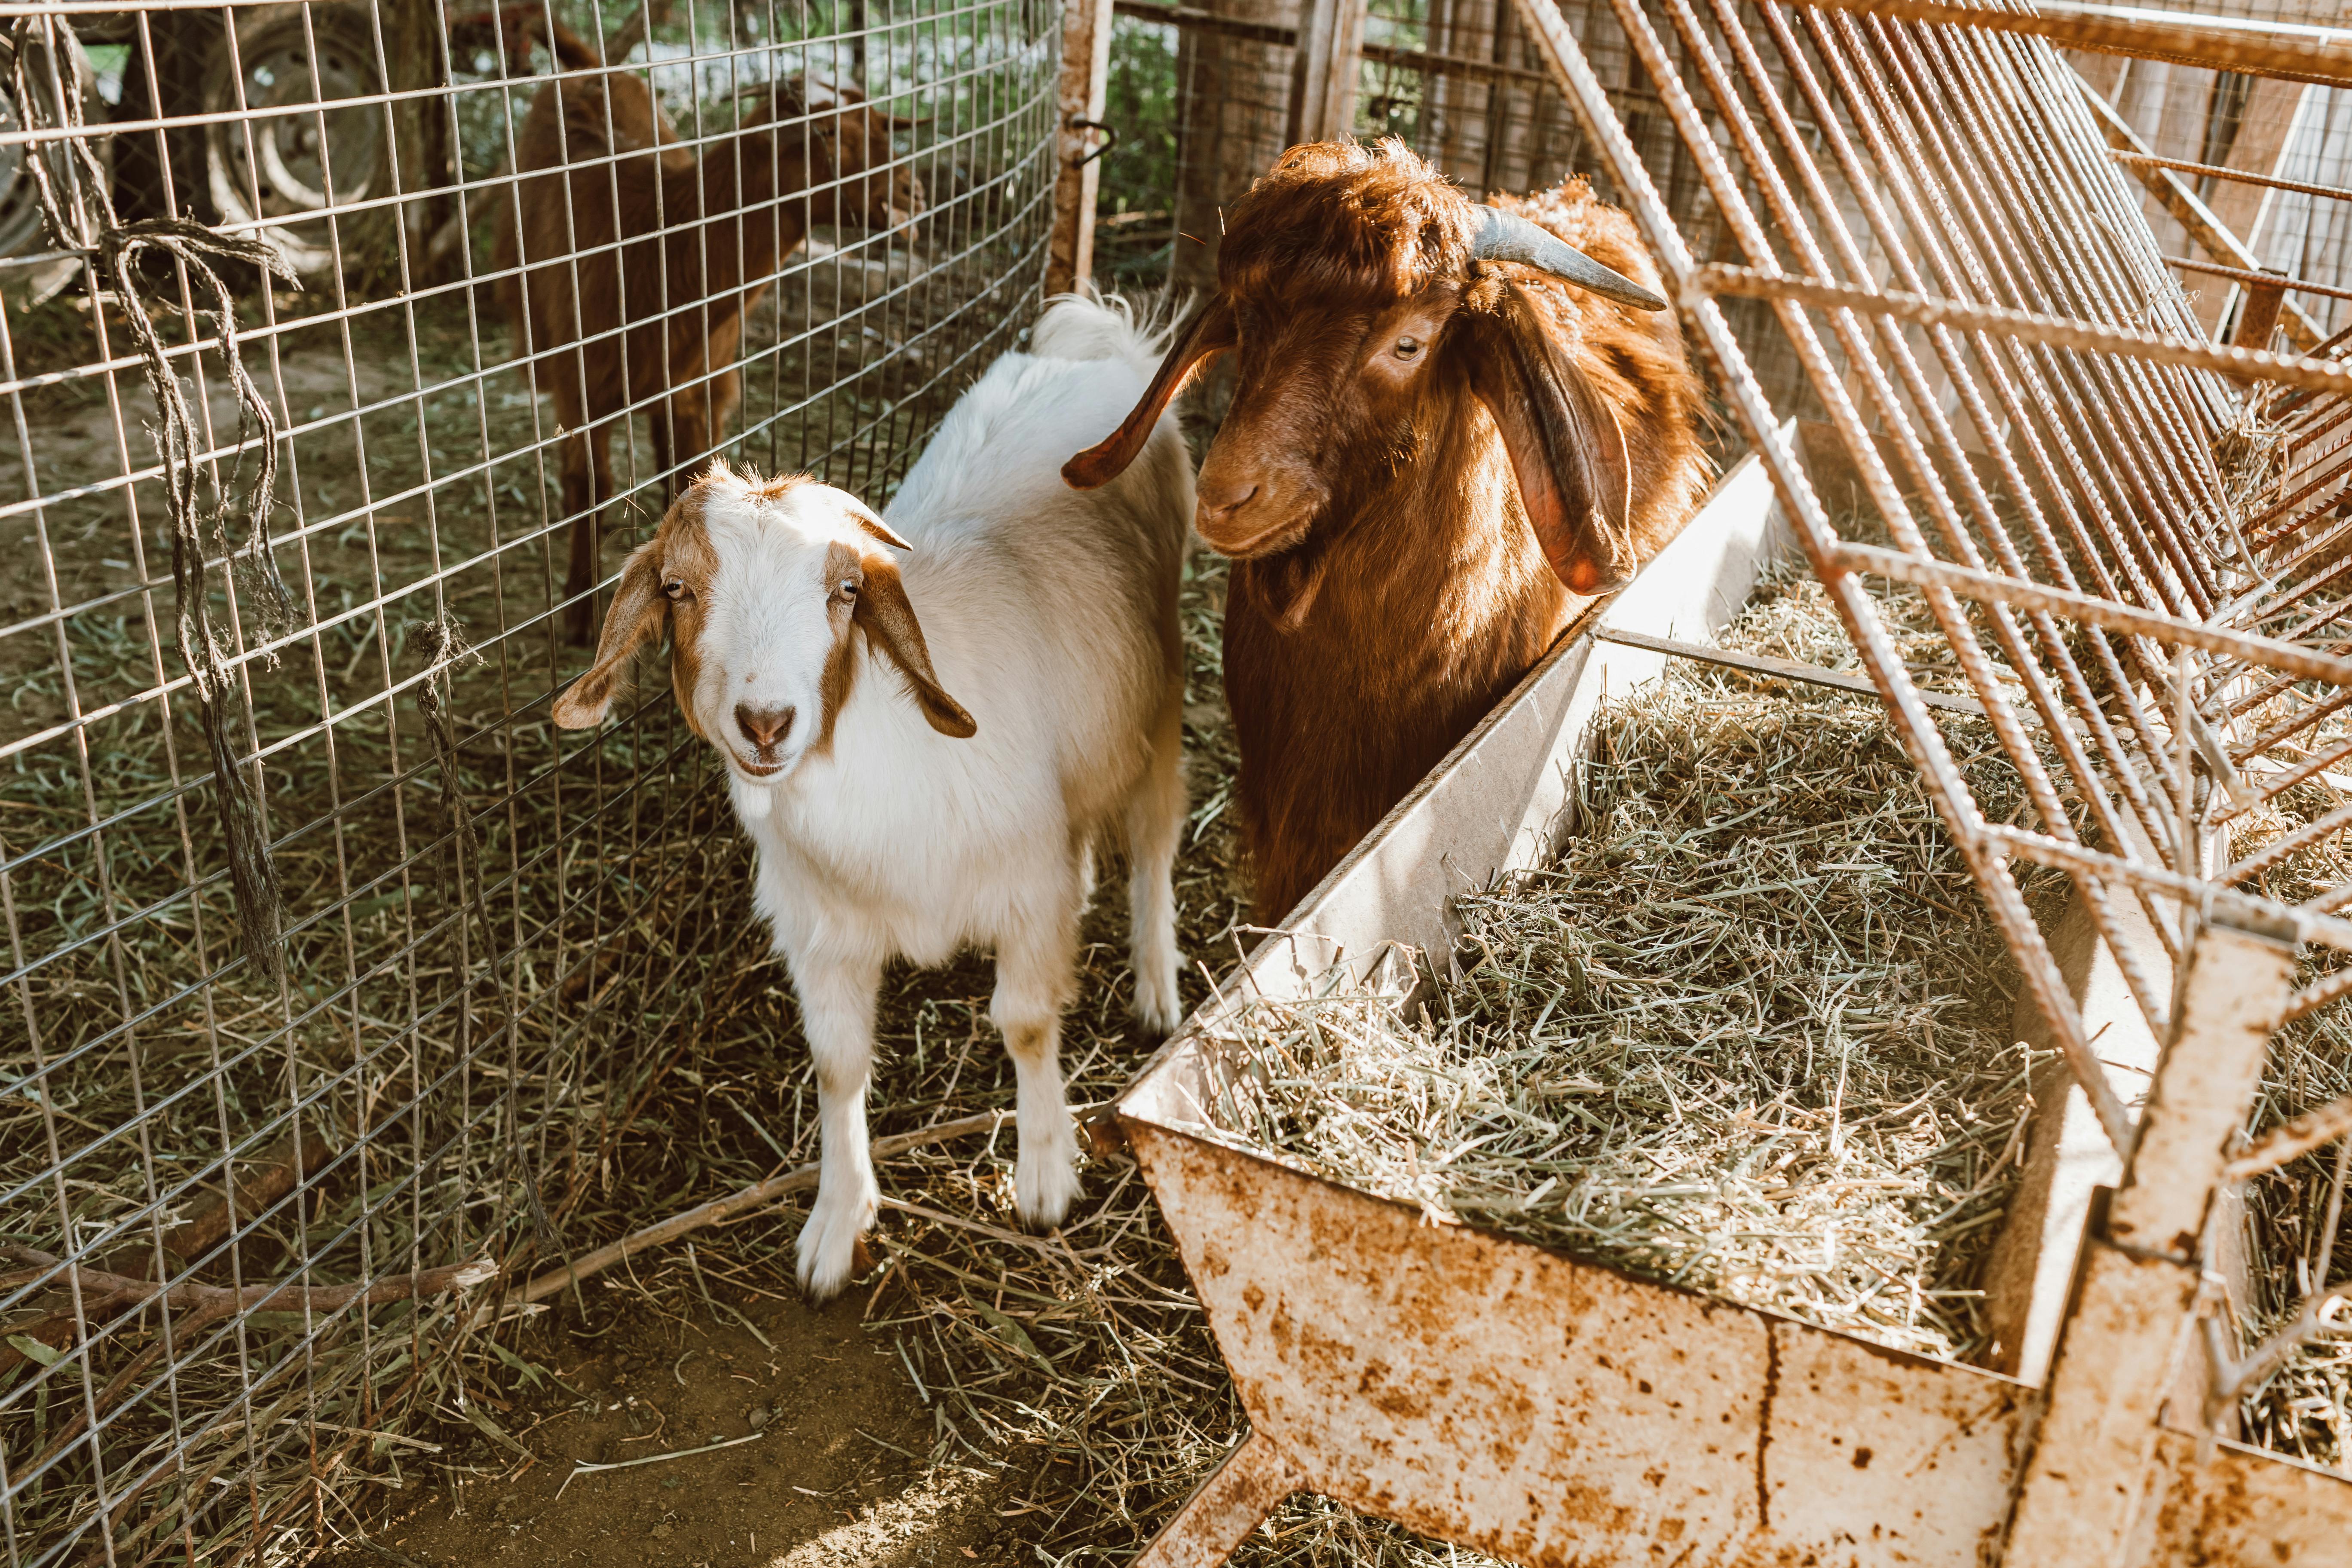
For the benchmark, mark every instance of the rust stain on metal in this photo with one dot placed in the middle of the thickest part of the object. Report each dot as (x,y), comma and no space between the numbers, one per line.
(2244,1506)
(1556,1412)
(1764,1427)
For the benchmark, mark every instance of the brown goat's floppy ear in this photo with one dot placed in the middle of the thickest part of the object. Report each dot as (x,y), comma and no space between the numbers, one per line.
(1567,450)
(889,622)
(636,620)
(1212,331)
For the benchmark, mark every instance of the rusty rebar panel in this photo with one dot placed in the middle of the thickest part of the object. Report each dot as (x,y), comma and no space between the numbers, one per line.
(2236,177)
(2290,53)
(2027,326)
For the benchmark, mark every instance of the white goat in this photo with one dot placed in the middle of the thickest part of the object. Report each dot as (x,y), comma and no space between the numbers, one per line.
(892,818)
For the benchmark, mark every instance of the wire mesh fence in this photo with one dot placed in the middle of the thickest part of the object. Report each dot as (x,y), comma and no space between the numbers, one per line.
(333,968)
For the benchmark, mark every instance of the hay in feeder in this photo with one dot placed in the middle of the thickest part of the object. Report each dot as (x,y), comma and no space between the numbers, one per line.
(1750,1034)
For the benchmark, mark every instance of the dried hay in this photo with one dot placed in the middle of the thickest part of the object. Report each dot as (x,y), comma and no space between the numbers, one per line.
(2304,1409)
(1750,1033)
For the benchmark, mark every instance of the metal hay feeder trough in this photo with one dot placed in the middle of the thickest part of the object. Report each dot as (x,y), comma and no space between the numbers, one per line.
(1554,1411)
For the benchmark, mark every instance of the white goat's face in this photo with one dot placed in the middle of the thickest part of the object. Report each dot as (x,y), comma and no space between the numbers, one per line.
(769,587)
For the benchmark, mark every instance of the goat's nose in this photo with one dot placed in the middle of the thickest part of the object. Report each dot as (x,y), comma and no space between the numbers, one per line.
(1223,500)
(764,727)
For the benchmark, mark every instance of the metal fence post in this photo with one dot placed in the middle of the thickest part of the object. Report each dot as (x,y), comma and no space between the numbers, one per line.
(1084,88)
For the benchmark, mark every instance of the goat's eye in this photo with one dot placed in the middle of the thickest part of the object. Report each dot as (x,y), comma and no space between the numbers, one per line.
(847,592)
(674,589)
(1406,348)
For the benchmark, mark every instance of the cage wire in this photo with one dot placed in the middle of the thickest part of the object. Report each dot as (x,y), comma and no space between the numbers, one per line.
(2135,541)
(258,1160)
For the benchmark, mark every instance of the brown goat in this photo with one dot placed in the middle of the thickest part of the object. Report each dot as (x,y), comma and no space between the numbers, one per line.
(688,268)
(1417,429)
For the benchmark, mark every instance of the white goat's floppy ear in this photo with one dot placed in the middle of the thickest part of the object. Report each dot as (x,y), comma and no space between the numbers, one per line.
(868,518)
(636,620)
(889,621)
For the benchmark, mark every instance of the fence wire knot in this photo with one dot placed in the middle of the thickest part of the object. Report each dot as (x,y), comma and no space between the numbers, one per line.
(83,217)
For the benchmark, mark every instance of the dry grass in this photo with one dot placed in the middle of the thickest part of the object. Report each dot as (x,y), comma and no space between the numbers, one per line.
(1749,1034)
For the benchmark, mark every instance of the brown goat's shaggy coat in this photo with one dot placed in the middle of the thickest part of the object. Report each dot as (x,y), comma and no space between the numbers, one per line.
(1400,413)
(700,242)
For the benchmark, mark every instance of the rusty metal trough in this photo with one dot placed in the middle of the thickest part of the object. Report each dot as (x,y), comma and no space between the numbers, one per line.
(1553,1411)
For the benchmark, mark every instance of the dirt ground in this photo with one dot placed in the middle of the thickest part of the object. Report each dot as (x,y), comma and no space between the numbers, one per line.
(828,1475)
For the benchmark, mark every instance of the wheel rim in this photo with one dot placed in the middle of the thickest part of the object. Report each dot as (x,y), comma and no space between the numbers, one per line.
(286,128)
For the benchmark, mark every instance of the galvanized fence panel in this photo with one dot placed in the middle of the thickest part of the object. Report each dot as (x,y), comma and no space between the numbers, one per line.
(335,972)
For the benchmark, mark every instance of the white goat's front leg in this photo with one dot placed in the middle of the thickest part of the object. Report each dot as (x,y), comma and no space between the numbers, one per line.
(1037,975)
(837,1015)
(1155,826)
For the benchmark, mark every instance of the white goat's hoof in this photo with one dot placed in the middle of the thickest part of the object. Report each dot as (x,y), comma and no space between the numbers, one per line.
(1158,1007)
(1046,1181)
(828,1245)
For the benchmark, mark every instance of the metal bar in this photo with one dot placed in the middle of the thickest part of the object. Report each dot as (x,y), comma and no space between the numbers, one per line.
(1781,669)
(2172,192)
(2257,279)
(2086,1480)
(1429,62)
(1742,282)
(2169,630)
(1193,19)
(2291,53)
(1249,1484)
(2236,176)
(2247,910)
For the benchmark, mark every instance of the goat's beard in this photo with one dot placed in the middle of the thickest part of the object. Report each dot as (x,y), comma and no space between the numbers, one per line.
(1285,582)
(753,802)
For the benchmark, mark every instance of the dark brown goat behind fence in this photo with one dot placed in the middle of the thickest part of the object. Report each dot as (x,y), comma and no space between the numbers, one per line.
(248,1221)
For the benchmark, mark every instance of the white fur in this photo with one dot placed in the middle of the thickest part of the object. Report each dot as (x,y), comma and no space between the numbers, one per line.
(1051,616)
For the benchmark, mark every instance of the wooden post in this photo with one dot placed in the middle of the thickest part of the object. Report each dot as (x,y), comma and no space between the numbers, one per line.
(417,59)
(1323,74)
(1079,101)
(2134,1323)
(2259,316)
(1232,110)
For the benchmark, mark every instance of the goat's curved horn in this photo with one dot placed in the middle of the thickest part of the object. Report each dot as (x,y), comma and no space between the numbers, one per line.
(1506,238)
(864,517)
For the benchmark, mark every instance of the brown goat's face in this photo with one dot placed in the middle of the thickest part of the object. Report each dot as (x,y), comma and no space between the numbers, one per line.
(854,178)
(873,193)
(1334,402)
(1325,400)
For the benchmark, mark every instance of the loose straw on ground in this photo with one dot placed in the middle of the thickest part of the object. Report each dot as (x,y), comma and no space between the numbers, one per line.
(799,1179)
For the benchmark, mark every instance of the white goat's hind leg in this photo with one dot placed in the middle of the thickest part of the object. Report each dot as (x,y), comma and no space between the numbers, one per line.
(1036,964)
(1155,824)
(837,1015)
